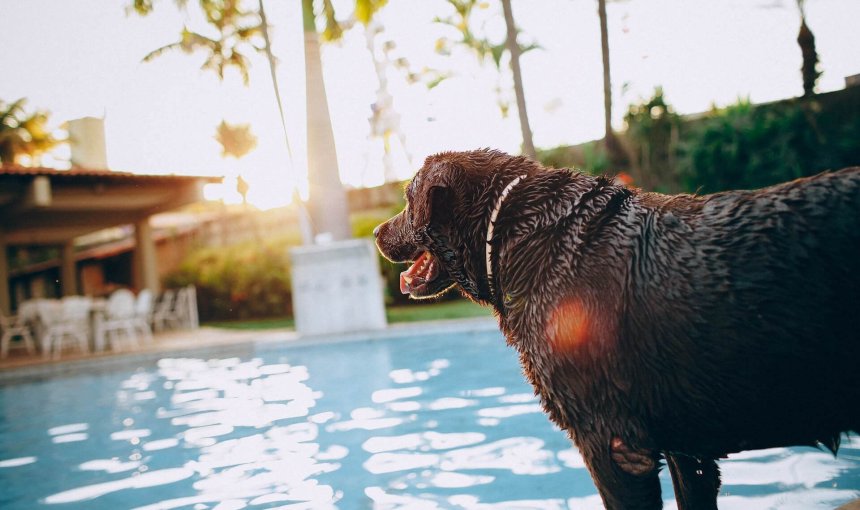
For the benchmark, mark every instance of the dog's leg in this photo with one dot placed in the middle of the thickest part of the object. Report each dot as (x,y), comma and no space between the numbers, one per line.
(625,477)
(696,482)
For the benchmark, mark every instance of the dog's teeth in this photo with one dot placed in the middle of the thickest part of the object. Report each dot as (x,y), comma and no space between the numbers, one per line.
(408,279)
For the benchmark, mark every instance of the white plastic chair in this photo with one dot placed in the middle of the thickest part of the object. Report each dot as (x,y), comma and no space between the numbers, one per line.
(191,307)
(12,327)
(165,311)
(63,321)
(117,325)
(28,314)
(143,315)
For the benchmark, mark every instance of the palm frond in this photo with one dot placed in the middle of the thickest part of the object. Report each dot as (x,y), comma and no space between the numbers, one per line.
(9,114)
(365,9)
(332,31)
(160,51)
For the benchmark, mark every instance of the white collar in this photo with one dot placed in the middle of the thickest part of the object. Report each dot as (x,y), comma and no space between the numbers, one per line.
(491,225)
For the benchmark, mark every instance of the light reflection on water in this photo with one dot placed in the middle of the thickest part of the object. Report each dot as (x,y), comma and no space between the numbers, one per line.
(421,423)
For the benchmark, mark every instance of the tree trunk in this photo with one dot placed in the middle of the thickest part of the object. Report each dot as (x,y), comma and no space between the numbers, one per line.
(328,206)
(607,83)
(514,49)
(617,154)
(303,215)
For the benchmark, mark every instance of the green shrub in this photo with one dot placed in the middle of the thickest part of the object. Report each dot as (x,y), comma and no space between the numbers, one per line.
(744,146)
(590,157)
(652,128)
(251,280)
(247,280)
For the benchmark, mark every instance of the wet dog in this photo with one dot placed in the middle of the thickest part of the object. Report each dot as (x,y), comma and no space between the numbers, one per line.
(680,328)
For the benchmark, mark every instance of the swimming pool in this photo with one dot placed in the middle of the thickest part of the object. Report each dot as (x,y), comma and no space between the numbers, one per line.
(424,422)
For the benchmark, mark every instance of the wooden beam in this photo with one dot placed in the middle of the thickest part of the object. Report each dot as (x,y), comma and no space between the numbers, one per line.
(94,220)
(183,195)
(47,235)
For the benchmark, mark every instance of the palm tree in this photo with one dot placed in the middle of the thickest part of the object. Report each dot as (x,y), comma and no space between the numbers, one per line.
(329,207)
(615,151)
(806,41)
(236,141)
(23,134)
(484,49)
(237,30)
(514,50)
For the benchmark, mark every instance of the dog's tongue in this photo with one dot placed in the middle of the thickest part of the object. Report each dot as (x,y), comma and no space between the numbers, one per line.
(416,274)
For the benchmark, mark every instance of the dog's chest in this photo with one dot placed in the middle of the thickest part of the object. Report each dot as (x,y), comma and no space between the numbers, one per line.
(574,379)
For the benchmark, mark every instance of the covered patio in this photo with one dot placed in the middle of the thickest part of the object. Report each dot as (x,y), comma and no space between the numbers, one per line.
(49,207)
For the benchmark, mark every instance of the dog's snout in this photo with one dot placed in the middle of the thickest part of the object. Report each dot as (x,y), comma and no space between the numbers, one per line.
(376,230)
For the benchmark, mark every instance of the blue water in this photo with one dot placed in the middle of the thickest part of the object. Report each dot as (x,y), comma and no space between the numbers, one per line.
(418,423)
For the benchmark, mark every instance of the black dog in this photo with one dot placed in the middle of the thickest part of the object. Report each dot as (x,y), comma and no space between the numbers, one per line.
(651,326)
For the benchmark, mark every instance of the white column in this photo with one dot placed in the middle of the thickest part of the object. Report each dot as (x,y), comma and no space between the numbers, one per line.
(68,271)
(145,264)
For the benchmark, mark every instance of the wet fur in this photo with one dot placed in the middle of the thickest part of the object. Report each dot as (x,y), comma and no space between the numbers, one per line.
(657,327)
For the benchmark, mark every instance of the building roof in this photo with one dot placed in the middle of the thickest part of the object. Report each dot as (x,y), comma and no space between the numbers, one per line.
(49,206)
(27,171)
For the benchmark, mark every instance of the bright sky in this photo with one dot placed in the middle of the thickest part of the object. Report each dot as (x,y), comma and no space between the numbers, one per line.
(83,58)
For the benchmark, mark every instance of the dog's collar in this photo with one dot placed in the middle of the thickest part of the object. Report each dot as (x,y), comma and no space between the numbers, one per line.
(491,225)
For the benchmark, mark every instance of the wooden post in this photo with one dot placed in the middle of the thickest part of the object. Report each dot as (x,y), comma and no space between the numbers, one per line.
(145,267)
(68,271)
(4,277)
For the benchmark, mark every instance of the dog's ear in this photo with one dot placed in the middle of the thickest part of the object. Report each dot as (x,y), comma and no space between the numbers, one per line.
(432,198)
(434,205)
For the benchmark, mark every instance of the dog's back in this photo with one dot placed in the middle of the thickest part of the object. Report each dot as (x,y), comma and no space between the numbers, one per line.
(750,299)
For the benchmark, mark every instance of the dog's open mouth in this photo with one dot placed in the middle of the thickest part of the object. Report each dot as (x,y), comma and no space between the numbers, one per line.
(417,279)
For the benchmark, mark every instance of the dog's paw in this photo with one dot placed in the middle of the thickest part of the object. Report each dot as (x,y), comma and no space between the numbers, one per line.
(630,460)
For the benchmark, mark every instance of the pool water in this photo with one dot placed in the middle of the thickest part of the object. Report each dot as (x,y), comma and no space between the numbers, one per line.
(427,422)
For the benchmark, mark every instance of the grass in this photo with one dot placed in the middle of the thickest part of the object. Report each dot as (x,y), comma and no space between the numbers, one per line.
(254,324)
(457,309)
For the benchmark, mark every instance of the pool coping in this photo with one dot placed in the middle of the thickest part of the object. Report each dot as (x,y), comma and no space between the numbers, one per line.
(242,345)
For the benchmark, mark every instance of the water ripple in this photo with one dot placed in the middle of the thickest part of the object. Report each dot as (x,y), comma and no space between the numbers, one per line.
(138,481)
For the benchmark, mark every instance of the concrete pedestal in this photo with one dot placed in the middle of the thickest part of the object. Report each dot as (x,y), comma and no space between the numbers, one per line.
(337,288)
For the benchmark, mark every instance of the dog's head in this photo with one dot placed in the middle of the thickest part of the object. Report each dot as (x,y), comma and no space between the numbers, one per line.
(443,228)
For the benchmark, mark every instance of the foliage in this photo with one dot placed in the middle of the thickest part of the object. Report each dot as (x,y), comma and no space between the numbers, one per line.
(461,309)
(236,140)
(334,28)
(739,146)
(596,158)
(242,281)
(476,41)
(471,33)
(590,157)
(281,322)
(652,127)
(251,280)
(436,310)
(806,40)
(746,146)
(23,134)
(237,29)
